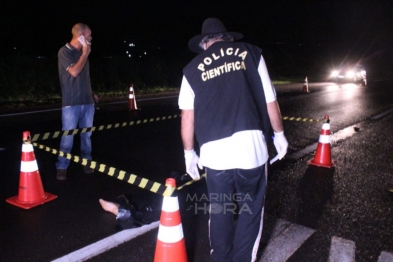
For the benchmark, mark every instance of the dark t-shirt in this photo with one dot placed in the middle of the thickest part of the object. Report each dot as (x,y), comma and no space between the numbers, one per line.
(74,90)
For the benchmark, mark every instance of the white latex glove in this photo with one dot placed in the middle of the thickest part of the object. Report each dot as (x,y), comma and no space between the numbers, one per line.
(281,144)
(192,161)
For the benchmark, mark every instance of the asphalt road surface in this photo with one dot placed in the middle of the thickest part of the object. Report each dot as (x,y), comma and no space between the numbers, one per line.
(343,213)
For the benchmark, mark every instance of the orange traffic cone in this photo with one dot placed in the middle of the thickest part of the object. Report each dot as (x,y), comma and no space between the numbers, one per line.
(322,156)
(170,244)
(305,86)
(131,99)
(31,193)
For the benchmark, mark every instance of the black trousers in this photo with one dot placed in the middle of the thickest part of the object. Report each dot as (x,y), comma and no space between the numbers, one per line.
(236,193)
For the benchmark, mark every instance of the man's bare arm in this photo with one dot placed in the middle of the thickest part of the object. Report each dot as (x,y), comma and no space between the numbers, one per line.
(187,129)
(280,142)
(75,69)
(275,116)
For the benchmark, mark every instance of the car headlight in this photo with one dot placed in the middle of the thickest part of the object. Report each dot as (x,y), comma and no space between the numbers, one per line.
(334,73)
(350,73)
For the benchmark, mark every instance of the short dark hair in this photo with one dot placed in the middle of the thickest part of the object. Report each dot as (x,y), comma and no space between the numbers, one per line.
(79,29)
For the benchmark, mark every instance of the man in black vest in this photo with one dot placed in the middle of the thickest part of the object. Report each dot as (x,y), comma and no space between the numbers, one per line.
(229,103)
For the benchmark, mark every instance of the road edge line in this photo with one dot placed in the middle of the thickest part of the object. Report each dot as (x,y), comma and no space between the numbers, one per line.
(106,244)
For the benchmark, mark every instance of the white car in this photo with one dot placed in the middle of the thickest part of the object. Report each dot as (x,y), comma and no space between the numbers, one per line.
(355,74)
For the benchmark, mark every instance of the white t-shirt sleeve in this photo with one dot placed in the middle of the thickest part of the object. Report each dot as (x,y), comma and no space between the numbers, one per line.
(186,95)
(270,92)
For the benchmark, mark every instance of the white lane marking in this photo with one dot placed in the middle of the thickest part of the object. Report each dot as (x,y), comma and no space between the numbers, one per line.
(342,250)
(2,149)
(30,112)
(334,138)
(280,226)
(286,239)
(349,131)
(385,257)
(105,244)
(382,114)
(304,152)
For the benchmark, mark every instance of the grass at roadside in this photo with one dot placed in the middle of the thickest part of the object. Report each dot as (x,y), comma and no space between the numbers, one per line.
(27,100)
(28,81)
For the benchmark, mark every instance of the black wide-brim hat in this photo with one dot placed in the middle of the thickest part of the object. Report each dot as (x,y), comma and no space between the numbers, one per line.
(210,26)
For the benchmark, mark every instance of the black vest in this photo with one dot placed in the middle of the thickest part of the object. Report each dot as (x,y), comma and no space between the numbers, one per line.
(229,95)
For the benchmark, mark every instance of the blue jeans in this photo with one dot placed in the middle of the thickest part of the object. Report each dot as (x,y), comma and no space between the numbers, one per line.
(231,240)
(72,117)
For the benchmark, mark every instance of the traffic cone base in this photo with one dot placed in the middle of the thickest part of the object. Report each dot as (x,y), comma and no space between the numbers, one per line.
(27,205)
(314,163)
(170,245)
(31,192)
(174,252)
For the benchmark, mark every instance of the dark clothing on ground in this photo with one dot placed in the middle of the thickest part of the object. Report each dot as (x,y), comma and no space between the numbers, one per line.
(145,208)
(137,211)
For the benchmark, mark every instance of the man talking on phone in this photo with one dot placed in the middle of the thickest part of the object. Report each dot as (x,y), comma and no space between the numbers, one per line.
(77,96)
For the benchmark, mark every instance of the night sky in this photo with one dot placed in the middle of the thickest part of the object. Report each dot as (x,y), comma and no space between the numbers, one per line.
(333,29)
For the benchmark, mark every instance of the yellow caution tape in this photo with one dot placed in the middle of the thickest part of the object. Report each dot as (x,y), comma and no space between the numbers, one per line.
(300,119)
(144,183)
(56,134)
(51,135)
(190,182)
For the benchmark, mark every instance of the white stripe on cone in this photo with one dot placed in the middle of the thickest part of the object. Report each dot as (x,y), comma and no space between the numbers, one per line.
(326,126)
(170,234)
(30,166)
(170,204)
(324,139)
(27,148)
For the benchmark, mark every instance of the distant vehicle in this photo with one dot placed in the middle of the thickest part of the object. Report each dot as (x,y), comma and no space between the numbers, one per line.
(355,74)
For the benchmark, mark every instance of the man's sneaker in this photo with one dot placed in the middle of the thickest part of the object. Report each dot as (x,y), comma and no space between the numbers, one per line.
(87,170)
(61,174)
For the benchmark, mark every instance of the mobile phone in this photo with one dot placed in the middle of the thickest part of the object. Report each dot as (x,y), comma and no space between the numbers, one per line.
(83,41)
